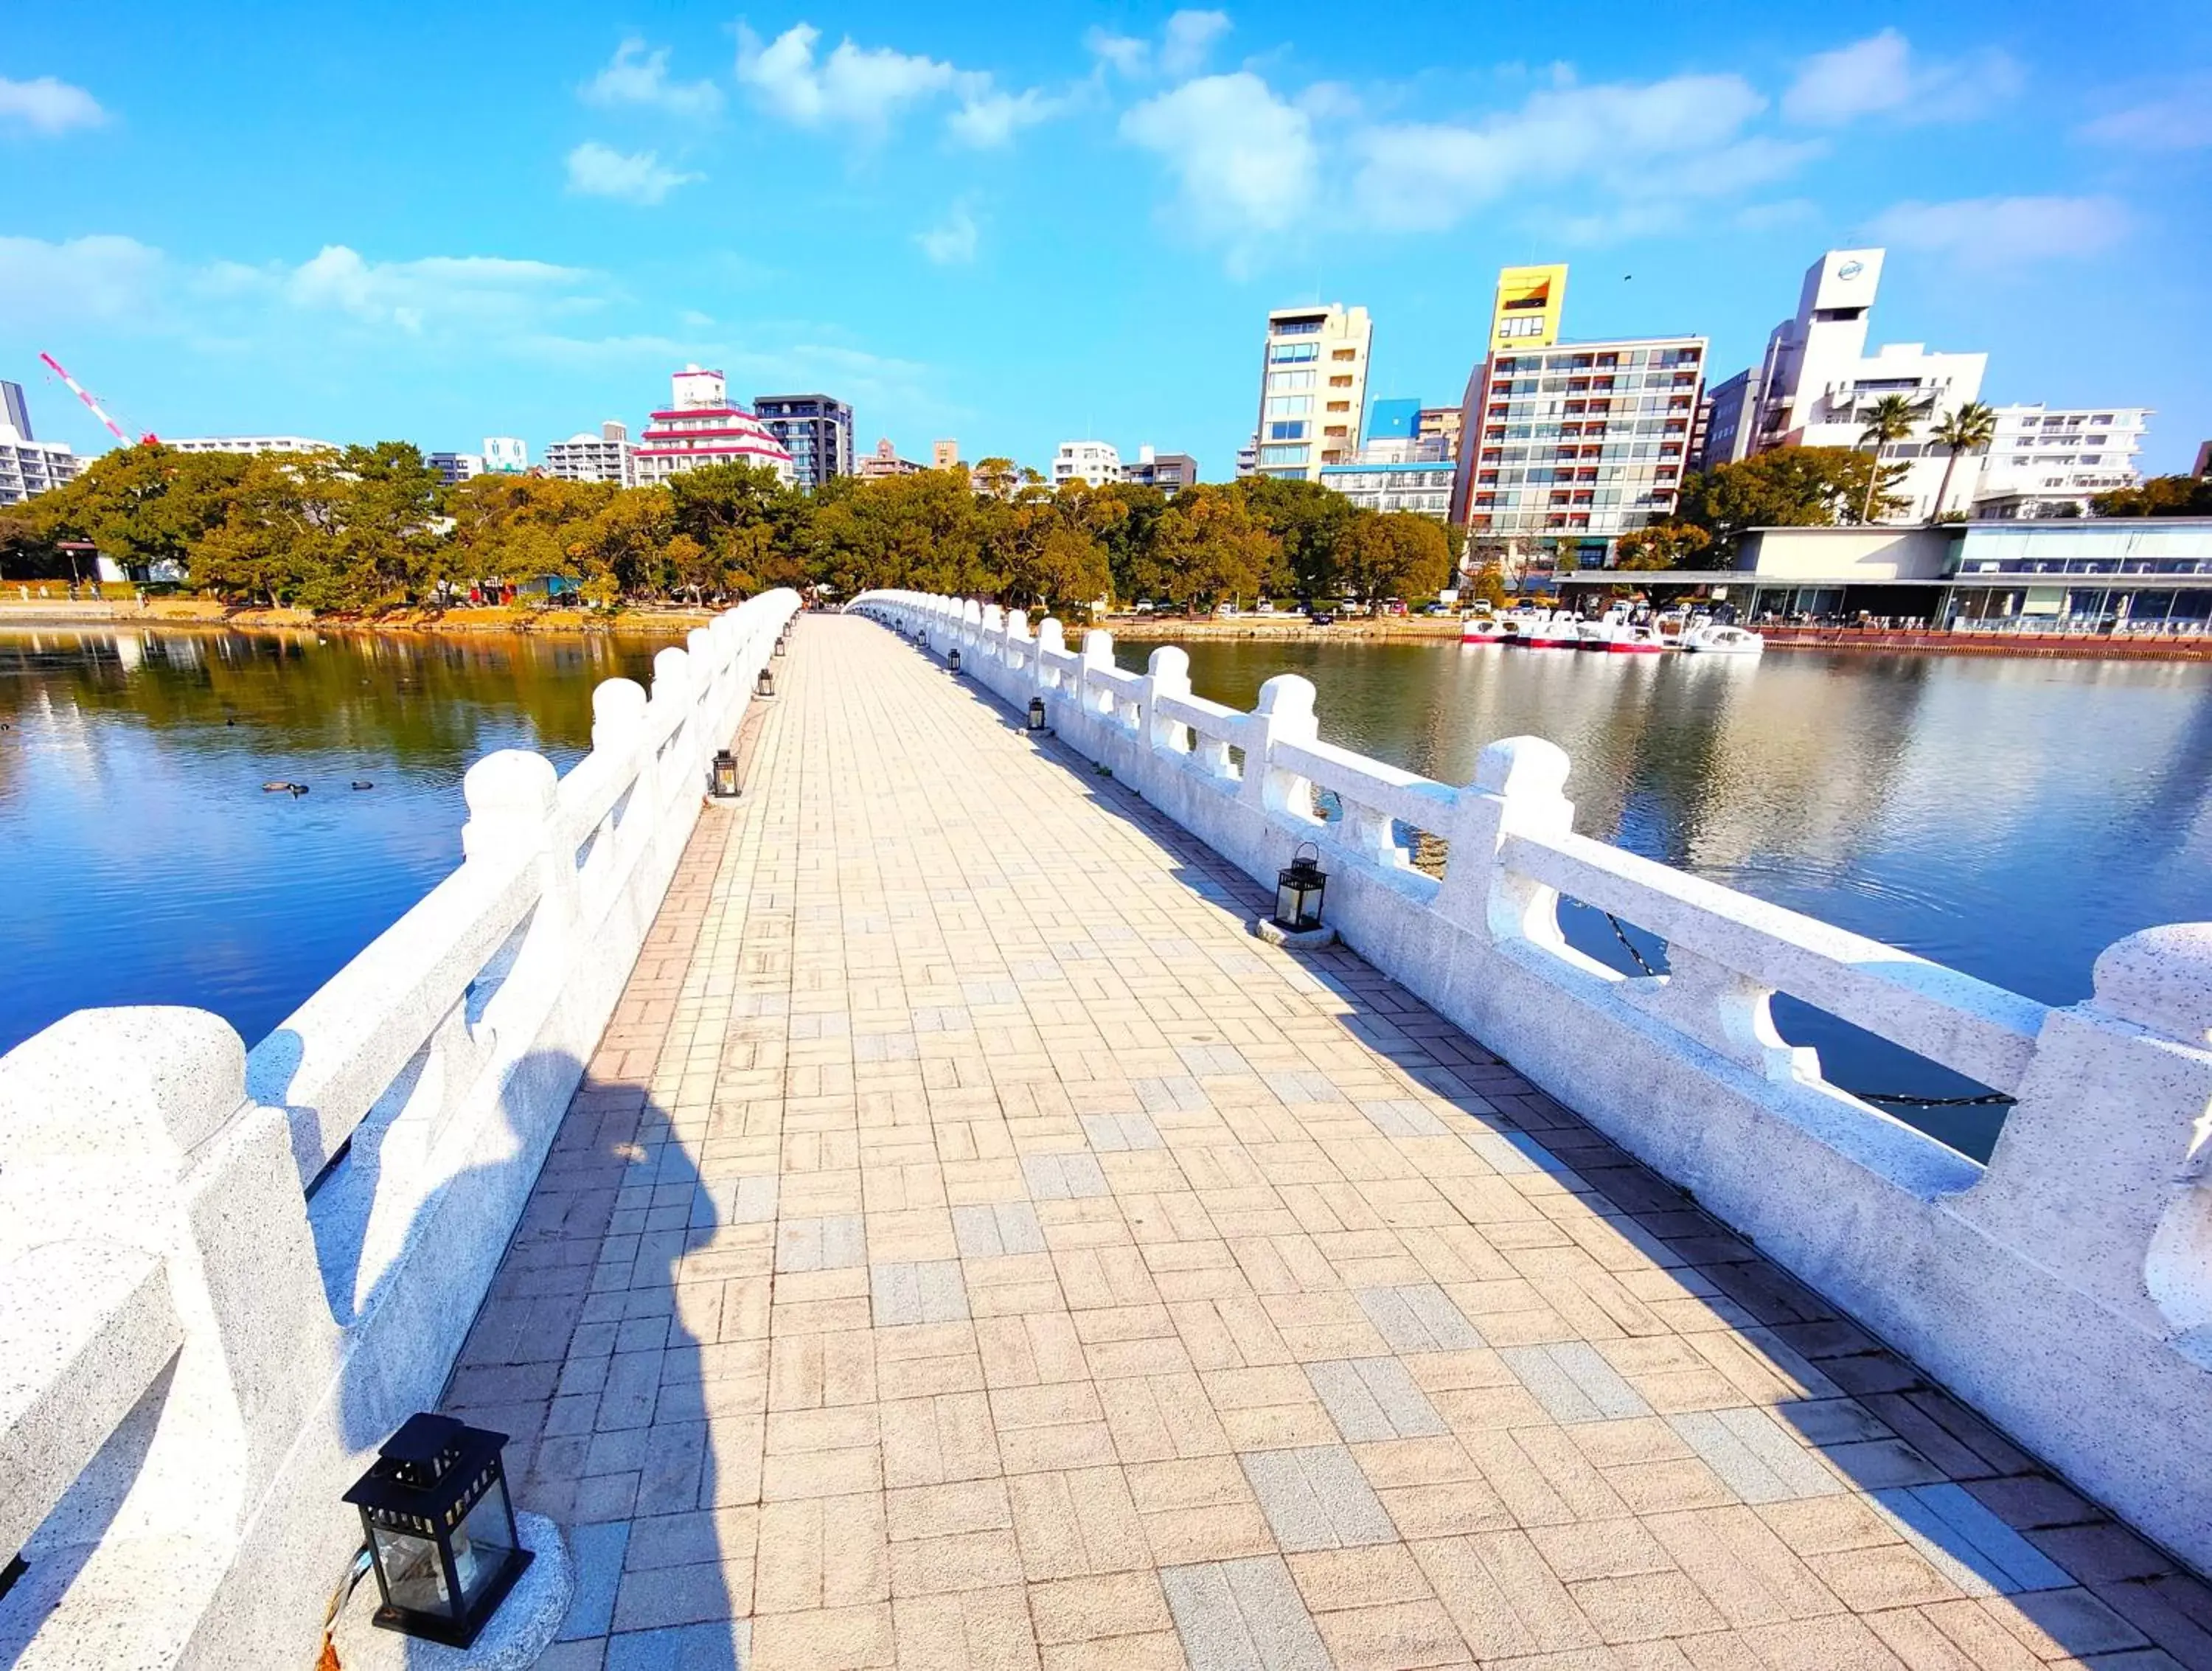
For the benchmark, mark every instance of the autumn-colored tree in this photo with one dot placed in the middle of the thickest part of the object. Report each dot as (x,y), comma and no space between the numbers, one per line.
(1392,554)
(1208,546)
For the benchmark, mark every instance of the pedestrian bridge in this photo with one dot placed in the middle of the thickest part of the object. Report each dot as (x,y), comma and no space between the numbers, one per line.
(904,1216)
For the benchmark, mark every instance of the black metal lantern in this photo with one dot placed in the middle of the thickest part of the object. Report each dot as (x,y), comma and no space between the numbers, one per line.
(1298,890)
(779,644)
(765,685)
(1036,713)
(952,659)
(440,1529)
(725,775)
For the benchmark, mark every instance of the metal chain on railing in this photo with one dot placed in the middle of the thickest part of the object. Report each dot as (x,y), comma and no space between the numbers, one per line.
(1901,1098)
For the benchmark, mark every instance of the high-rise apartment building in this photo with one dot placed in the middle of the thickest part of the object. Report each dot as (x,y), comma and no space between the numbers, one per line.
(1571,443)
(1440,424)
(1170,472)
(15,410)
(815,429)
(454,468)
(247,444)
(2047,462)
(609,456)
(700,427)
(29,466)
(1095,462)
(945,455)
(1818,386)
(1313,389)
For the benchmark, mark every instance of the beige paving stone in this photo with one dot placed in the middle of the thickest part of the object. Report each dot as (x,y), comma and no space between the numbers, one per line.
(926,1028)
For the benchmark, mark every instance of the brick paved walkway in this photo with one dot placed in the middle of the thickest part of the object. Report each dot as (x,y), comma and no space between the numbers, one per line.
(971,1247)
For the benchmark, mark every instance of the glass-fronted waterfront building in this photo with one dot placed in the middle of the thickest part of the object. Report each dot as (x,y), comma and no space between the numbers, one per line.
(2136,575)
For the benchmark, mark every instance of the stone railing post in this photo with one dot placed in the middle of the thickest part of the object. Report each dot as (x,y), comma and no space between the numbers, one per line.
(511,797)
(2102,1174)
(1284,713)
(1051,642)
(674,686)
(131,1125)
(1098,653)
(1518,790)
(1167,673)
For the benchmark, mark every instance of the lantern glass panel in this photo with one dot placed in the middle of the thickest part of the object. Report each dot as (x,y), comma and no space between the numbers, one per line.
(482,1544)
(413,1573)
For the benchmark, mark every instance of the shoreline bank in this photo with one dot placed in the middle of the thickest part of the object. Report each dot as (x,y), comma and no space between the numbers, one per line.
(2078,646)
(196,615)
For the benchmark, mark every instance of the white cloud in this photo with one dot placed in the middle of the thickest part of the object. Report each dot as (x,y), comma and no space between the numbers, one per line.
(600,171)
(990,117)
(1185,43)
(122,282)
(468,289)
(867,86)
(1245,159)
(101,277)
(1881,74)
(2179,120)
(1126,53)
(46,105)
(1683,134)
(635,76)
(951,243)
(2000,231)
(1188,40)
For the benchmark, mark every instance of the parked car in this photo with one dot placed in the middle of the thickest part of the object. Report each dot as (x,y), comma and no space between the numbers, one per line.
(1144,607)
(1321,617)
(1226,609)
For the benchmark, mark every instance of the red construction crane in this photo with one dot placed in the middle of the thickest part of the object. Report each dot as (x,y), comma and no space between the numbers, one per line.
(78,390)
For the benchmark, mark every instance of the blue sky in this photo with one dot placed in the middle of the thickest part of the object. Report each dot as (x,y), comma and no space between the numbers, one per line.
(1016,226)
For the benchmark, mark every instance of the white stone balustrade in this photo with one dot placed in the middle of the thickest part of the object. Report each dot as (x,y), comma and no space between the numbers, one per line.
(2065,1289)
(225,1278)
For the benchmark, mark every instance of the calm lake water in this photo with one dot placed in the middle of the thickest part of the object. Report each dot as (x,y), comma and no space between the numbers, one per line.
(143,863)
(2009,817)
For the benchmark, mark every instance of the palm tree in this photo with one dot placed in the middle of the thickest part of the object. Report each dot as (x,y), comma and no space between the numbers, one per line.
(1890,420)
(1971,429)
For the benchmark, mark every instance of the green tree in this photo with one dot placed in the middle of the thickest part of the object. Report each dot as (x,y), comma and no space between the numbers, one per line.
(277,542)
(1391,554)
(1489,585)
(1662,545)
(2159,496)
(1307,519)
(1969,428)
(1128,536)
(1208,546)
(1789,487)
(142,504)
(1890,419)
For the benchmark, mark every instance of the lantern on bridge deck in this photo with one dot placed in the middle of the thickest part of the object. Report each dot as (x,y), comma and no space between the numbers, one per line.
(952,659)
(780,638)
(1036,713)
(725,777)
(440,1529)
(1298,890)
(765,685)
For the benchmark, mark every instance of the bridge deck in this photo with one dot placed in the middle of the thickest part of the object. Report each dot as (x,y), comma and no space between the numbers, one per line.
(971,1247)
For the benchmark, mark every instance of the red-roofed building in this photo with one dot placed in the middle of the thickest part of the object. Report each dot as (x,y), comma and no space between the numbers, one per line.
(703,428)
